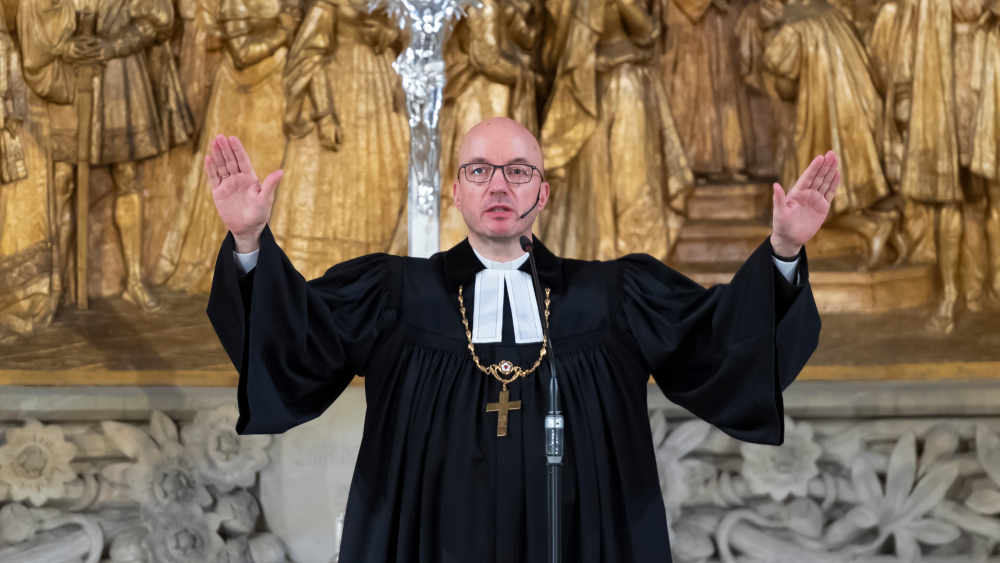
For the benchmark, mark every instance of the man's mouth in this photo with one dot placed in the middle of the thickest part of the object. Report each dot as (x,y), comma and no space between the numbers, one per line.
(499,208)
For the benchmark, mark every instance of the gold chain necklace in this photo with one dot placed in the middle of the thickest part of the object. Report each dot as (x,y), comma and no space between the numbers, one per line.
(503,371)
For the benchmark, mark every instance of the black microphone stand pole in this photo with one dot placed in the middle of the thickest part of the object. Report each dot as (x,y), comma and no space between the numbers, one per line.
(554,424)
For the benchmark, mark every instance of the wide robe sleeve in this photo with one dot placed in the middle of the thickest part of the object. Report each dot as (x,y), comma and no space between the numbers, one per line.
(724,353)
(297,344)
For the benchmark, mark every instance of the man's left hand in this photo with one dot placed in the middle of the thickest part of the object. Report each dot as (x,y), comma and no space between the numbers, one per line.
(800,213)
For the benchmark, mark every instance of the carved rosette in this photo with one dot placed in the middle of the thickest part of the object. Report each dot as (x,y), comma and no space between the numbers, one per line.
(35,463)
(220,456)
(134,494)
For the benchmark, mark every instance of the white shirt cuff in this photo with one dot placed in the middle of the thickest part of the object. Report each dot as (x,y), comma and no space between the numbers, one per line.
(246,261)
(787,269)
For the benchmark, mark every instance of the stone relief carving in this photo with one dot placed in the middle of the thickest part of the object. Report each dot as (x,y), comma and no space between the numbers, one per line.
(121,493)
(837,491)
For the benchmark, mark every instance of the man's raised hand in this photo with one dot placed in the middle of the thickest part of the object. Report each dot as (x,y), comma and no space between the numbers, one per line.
(799,214)
(244,203)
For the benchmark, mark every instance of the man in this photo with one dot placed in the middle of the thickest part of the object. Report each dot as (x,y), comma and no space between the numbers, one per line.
(488,58)
(446,471)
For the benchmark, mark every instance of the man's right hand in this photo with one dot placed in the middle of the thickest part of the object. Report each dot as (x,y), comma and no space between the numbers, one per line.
(244,203)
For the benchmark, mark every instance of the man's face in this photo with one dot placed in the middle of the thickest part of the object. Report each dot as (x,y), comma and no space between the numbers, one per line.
(493,209)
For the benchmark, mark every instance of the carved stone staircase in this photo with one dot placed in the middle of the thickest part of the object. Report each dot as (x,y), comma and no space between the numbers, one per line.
(726,222)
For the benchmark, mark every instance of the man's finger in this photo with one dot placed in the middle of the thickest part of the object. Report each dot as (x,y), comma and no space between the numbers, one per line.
(779,197)
(830,158)
(823,176)
(836,168)
(227,152)
(210,171)
(242,158)
(809,174)
(828,194)
(828,181)
(219,158)
(270,183)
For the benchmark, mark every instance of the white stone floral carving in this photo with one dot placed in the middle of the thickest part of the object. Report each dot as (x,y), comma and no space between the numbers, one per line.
(222,457)
(784,470)
(159,476)
(841,491)
(178,535)
(677,474)
(35,463)
(164,503)
(900,507)
(238,511)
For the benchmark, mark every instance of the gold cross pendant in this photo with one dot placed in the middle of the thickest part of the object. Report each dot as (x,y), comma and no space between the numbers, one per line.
(502,408)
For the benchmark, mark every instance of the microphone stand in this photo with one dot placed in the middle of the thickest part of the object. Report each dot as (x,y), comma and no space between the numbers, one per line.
(554,424)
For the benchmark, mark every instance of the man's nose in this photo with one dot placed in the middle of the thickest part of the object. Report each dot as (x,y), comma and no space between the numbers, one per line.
(498,183)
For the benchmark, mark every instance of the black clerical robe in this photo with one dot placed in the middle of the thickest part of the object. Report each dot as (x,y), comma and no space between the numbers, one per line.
(433,482)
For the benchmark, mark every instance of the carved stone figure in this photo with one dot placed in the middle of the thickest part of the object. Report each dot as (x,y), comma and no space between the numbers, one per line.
(708,98)
(248,83)
(344,189)
(26,299)
(815,61)
(201,52)
(986,147)
(937,95)
(618,171)
(125,126)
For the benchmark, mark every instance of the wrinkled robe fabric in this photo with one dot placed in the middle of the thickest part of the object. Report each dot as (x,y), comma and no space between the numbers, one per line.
(433,482)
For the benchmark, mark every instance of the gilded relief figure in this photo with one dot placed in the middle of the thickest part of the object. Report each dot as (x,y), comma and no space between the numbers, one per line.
(816,61)
(126,125)
(45,30)
(176,118)
(201,52)
(247,101)
(986,146)
(937,100)
(884,43)
(490,73)
(26,298)
(708,98)
(160,176)
(345,183)
(618,171)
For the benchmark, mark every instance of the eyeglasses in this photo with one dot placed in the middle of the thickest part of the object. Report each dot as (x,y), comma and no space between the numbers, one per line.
(482,172)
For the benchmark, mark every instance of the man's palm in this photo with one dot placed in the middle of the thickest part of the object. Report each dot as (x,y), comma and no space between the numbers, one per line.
(799,214)
(243,202)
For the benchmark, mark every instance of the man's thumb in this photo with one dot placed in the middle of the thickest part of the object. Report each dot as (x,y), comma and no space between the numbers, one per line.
(271,182)
(779,196)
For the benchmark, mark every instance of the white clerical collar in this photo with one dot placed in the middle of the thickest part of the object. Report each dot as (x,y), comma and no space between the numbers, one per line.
(494,265)
(487,312)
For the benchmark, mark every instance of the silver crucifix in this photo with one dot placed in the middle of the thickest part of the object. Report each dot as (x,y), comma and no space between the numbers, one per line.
(421,66)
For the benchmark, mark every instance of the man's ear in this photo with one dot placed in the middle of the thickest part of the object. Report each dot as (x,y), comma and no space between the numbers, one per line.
(454,195)
(543,195)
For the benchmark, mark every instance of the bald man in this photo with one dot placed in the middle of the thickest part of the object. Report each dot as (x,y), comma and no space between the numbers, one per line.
(451,466)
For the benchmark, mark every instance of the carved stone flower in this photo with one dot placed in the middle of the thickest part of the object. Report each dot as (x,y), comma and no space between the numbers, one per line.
(678,475)
(35,463)
(782,470)
(221,456)
(239,512)
(160,477)
(901,508)
(181,536)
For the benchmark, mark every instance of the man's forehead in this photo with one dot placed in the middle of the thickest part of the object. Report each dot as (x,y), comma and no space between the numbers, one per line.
(500,145)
